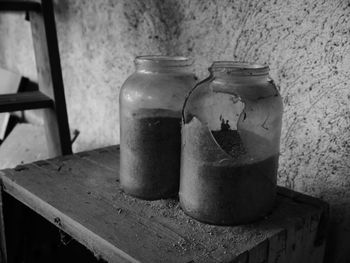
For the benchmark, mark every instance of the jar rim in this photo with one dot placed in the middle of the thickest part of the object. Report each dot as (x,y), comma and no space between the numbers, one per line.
(240,67)
(164,61)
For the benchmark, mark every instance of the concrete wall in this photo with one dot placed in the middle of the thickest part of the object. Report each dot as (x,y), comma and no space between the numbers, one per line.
(306,43)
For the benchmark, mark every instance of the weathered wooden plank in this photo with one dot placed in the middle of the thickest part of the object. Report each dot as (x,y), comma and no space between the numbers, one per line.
(114,224)
(24,101)
(259,253)
(182,227)
(107,157)
(19,5)
(83,192)
(166,238)
(277,248)
(94,242)
(50,79)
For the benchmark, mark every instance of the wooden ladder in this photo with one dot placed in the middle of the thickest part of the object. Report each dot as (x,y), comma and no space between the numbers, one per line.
(50,97)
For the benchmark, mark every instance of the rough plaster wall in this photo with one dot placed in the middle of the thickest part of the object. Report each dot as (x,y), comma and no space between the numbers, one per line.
(306,44)
(98,41)
(16,45)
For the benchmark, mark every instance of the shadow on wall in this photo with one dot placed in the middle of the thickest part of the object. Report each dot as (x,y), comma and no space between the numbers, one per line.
(62,9)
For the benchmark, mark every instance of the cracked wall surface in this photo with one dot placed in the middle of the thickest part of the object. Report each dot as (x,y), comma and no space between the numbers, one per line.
(305,42)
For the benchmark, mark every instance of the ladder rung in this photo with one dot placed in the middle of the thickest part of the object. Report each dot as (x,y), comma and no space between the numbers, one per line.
(24,101)
(18,5)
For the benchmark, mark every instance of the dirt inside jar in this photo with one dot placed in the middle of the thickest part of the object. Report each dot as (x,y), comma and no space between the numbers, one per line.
(229,140)
(150,153)
(224,188)
(229,195)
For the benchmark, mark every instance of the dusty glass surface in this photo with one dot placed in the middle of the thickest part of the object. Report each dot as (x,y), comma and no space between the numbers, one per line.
(151,101)
(230,144)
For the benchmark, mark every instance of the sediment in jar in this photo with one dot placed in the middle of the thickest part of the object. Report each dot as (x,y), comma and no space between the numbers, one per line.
(150,153)
(224,185)
(230,142)
(228,195)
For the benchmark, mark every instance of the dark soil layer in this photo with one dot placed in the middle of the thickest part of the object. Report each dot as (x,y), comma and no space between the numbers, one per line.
(228,195)
(220,190)
(150,156)
(230,142)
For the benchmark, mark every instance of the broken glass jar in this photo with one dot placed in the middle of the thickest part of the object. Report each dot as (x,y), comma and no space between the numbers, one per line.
(151,101)
(230,145)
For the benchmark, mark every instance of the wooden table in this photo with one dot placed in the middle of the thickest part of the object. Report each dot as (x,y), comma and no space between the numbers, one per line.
(80,195)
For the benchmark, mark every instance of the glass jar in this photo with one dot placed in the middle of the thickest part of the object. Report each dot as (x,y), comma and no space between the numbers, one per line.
(151,101)
(230,145)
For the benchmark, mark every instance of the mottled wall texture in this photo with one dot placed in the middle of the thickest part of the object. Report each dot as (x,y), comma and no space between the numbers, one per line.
(305,42)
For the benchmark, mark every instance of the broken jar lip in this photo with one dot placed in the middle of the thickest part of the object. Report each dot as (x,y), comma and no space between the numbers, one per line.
(240,68)
(162,61)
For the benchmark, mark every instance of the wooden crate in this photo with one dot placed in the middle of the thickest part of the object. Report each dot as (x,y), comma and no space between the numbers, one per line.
(80,195)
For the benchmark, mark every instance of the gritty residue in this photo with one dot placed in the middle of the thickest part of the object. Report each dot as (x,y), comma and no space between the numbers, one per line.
(194,237)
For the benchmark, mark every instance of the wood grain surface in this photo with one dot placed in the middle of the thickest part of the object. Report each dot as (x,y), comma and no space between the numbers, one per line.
(80,194)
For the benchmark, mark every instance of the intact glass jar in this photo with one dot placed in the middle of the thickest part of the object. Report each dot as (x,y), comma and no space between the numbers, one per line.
(151,101)
(230,145)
